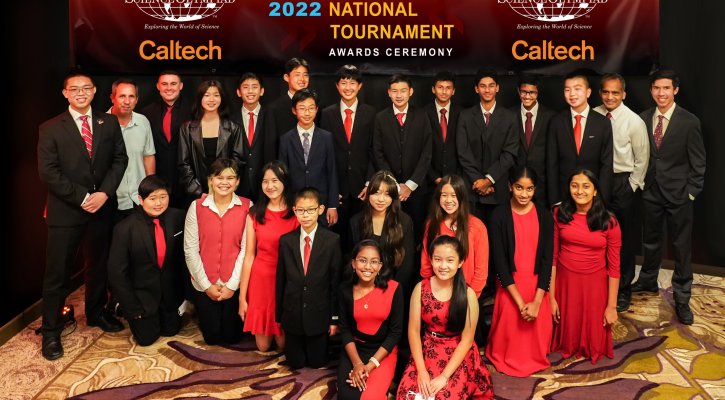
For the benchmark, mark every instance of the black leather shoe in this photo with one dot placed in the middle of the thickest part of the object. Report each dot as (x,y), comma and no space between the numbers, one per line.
(52,348)
(641,287)
(623,301)
(684,314)
(107,322)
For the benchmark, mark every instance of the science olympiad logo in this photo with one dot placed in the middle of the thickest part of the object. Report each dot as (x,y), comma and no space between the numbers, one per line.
(552,10)
(180,10)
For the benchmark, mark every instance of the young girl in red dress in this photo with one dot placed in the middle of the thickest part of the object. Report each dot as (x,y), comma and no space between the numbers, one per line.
(445,363)
(522,233)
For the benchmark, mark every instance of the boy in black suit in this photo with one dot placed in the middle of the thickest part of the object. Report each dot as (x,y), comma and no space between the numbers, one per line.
(146,264)
(308,273)
(297,76)
(443,116)
(309,154)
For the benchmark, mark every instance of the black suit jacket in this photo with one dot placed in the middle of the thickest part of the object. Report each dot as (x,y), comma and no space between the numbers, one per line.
(354,159)
(444,157)
(534,154)
(192,170)
(261,151)
(64,165)
(284,120)
(595,153)
(307,304)
(502,242)
(320,172)
(678,166)
(405,151)
(488,150)
(133,273)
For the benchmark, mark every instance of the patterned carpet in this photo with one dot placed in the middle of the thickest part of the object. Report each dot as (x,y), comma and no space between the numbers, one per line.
(655,358)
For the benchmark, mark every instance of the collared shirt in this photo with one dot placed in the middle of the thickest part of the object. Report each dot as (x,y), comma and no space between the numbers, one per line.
(534,112)
(290,94)
(302,240)
(192,247)
(630,144)
(665,121)
(404,111)
(585,115)
(245,117)
(440,107)
(77,118)
(301,130)
(139,143)
(344,107)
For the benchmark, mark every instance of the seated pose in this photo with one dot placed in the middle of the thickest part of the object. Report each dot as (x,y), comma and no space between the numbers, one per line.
(371,323)
(445,363)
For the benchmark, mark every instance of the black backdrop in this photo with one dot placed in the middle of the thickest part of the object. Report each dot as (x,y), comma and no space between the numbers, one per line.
(36,41)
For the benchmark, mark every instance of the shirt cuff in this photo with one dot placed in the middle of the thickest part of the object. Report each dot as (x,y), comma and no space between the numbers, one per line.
(412,185)
(490,178)
(691,197)
(85,198)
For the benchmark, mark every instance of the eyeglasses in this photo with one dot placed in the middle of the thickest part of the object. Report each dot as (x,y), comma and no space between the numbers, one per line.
(305,110)
(74,90)
(303,211)
(531,93)
(364,261)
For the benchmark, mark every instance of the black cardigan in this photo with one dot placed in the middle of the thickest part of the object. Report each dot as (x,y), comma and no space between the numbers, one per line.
(503,243)
(390,331)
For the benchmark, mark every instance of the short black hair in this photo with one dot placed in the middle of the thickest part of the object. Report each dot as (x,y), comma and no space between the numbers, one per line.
(250,75)
(578,73)
(168,72)
(400,78)
(152,183)
(348,71)
(529,79)
(307,193)
(304,94)
(614,77)
(444,76)
(220,165)
(76,73)
(665,74)
(485,73)
(295,62)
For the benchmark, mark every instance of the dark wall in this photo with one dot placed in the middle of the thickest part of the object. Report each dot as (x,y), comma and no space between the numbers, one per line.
(691,43)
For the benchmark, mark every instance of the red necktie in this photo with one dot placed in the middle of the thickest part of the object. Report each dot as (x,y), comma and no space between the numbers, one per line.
(487,117)
(166,125)
(658,132)
(444,124)
(87,135)
(306,262)
(400,118)
(578,133)
(250,129)
(528,127)
(609,115)
(348,124)
(160,243)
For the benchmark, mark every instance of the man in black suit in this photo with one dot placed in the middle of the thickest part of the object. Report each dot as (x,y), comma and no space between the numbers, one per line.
(259,134)
(297,76)
(82,158)
(487,147)
(309,154)
(533,123)
(403,144)
(443,117)
(166,116)
(675,176)
(146,263)
(578,138)
(351,124)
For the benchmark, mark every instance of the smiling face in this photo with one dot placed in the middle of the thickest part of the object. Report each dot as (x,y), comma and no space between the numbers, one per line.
(79,90)
(367,264)
(212,100)
(582,191)
(224,184)
(380,200)
(448,200)
(306,111)
(522,191)
(124,99)
(250,91)
(528,94)
(298,79)
(487,88)
(400,93)
(155,203)
(272,187)
(348,89)
(612,94)
(169,87)
(444,90)
(663,93)
(576,93)
(445,262)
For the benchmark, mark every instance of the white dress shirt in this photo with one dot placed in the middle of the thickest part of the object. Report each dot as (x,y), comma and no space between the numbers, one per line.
(245,118)
(585,115)
(302,241)
(344,107)
(534,112)
(440,107)
(630,144)
(665,121)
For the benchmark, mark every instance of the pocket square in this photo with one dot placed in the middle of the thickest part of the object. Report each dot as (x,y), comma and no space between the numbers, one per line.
(591,137)
(178,233)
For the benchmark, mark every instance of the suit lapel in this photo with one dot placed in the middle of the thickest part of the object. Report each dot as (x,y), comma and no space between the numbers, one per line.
(146,239)
(648,115)
(224,134)
(195,133)
(98,132)
(296,251)
(479,121)
(74,134)
(315,250)
(569,131)
(537,127)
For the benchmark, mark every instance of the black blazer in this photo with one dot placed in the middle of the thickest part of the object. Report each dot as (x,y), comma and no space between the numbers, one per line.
(354,159)
(167,153)
(260,152)
(534,154)
(284,120)
(444,157)
(678,166)
(488,150)
(133,273)
(320,172)
(503,244)
(192,170)
(307,304)
(64,165)
(391,329)
(595,153)
(405,151)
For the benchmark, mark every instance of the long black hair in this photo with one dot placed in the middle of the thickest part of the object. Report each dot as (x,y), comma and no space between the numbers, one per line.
(384,274)
(598,218)
(260,207)
(196,108)
(458,307)
(436,215)
(393,246)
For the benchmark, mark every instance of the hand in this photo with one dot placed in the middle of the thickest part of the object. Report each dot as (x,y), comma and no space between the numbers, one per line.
(438,180)
(555,310)
(214,292)
(333,330)
(530,311)
(489,190)
(225,293)
(331,216)
(363,193)
(438,383)
(481,186)
(610,316)
(424,384)
(242,308)
(94,202)
(358,376)
(405,192)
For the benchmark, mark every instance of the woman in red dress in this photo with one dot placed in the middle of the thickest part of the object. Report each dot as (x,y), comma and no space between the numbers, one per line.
(371,324)
(450,215)
(585,272)
(270,218)
(522,233)
(445,363)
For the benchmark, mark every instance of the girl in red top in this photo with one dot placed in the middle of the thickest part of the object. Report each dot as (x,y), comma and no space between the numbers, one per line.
(585,272)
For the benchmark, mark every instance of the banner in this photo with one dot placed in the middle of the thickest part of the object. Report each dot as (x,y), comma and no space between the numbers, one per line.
(416,36)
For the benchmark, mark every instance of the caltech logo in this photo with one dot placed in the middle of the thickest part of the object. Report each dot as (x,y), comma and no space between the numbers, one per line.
(180,10)
(552,10)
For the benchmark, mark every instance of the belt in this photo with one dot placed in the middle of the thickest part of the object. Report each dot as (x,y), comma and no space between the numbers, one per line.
(441,335)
